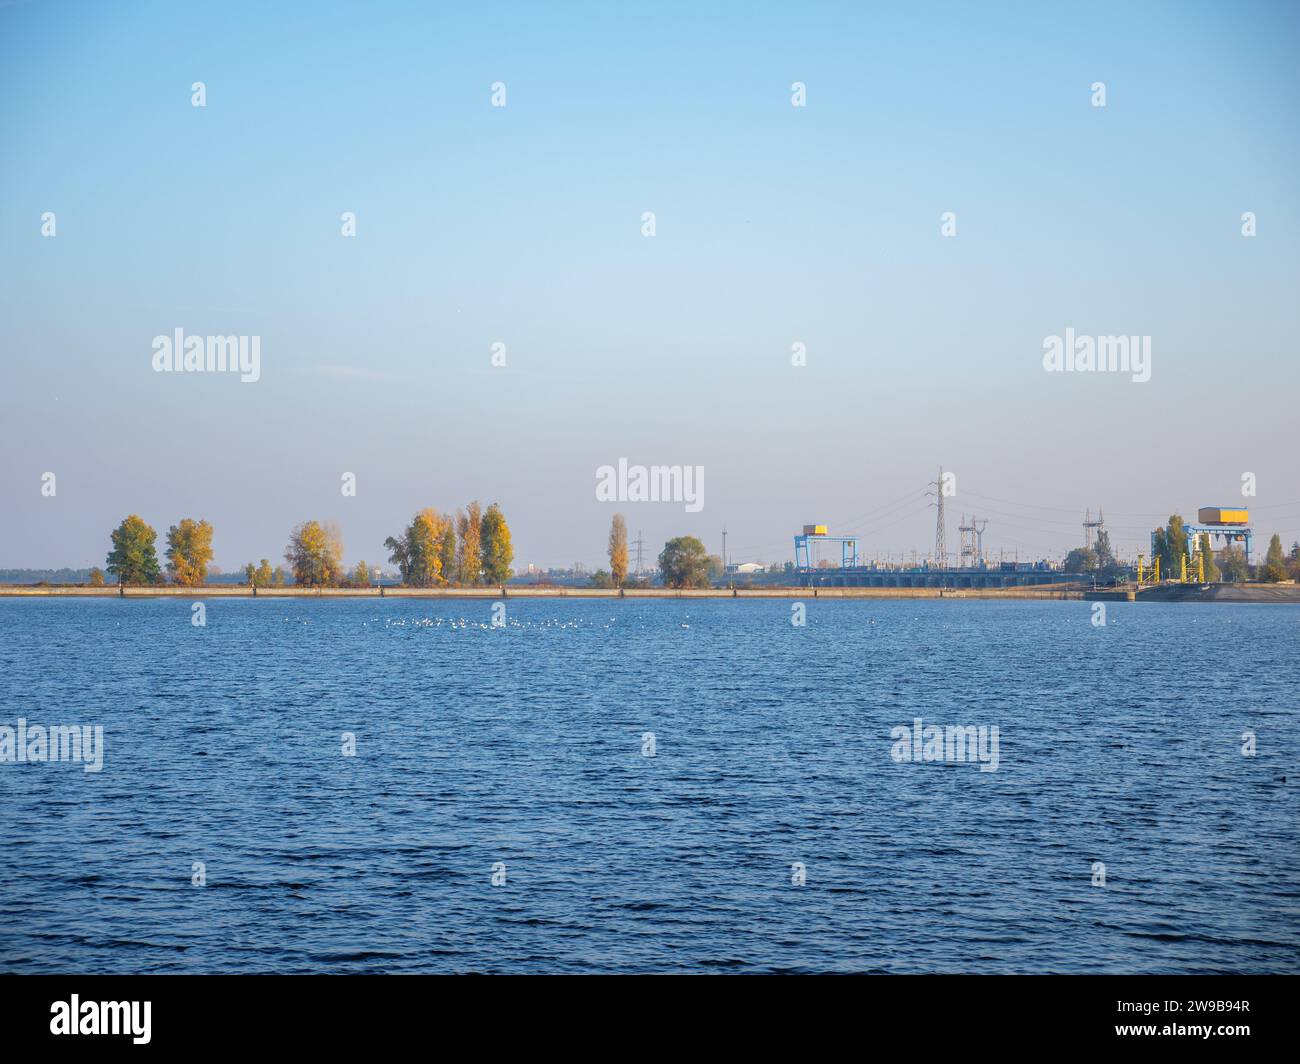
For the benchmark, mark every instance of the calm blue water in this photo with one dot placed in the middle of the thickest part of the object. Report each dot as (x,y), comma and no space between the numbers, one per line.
(523,745)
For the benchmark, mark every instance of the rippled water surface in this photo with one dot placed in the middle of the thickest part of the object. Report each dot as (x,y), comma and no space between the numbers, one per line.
(523,745)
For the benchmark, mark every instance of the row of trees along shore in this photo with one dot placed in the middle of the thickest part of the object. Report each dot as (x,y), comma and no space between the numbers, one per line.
(1228,564)
(684,562)
(469,548)
(473,547)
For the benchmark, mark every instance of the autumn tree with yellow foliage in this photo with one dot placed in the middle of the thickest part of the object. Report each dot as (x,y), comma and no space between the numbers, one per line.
(315,554)
(420,553)
(469,549)
(259,575)
(618,550)
(497,549)
(189,550)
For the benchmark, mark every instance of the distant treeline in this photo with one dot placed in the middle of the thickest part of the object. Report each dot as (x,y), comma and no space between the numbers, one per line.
(44,576)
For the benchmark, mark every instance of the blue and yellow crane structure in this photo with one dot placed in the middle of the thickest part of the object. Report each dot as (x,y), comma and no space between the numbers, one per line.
(819,534)
(1230,524)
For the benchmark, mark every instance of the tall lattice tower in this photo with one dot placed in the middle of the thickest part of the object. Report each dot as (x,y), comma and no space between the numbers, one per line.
(966,553)
(1088,525)
(940,524)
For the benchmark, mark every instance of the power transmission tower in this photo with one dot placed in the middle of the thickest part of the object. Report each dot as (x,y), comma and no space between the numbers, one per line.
(980,526)
(1088,525)
(640,569)
(966,554)
(940,546)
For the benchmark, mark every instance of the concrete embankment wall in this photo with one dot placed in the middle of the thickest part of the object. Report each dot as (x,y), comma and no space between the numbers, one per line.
(239,591)
(1279,593)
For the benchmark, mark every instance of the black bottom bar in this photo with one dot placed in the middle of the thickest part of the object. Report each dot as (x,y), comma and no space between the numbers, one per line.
(339,1013)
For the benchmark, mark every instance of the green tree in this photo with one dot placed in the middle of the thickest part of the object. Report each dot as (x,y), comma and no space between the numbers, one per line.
(684,562)
(1175,546)
(250,574)
(1081,560)
(1102,550)
(399,554)
(1232,563)
(189,550)
(315,554)
(96,577)
(133,559)
(1108,565)
(1205,552)
(1274,567)
(618,550)
(361,575)
(498,550)
(447,550)
(1159,552)
(601,579)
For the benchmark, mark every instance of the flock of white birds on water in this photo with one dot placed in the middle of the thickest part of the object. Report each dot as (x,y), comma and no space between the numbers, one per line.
(461,623)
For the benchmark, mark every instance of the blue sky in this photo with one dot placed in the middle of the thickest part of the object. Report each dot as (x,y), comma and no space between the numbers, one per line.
(523,225)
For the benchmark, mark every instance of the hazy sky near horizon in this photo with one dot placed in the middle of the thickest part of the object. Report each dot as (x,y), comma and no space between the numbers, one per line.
(523,225)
